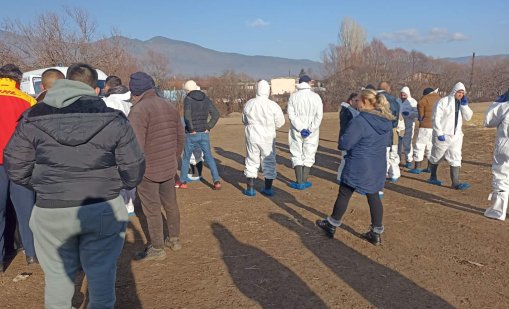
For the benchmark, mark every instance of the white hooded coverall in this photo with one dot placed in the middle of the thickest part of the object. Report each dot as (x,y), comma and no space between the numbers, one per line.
(119,101)
(497,116)
(443,124)
(305,111)
(261,118)
(410,106)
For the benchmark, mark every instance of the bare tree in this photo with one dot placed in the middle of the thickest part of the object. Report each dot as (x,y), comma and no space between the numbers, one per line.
(156,65)
(65,38)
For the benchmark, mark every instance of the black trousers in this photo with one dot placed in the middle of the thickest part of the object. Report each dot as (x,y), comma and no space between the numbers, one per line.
(375,205)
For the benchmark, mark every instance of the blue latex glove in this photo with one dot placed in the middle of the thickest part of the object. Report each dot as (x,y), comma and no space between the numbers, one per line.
(420,118)
(441,138)
(405,113)
(464,101)
(502,98)
(305,133)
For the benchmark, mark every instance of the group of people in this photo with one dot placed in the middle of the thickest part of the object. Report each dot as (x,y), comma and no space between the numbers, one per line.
(79,159)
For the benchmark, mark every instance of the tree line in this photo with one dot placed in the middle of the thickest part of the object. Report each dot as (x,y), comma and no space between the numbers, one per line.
(71,36)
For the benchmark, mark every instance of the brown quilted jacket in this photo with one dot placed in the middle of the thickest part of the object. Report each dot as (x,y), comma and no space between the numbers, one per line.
(159,131)
(425,108)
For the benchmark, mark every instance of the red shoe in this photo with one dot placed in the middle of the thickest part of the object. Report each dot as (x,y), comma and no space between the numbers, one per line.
(181,185)
(217,185)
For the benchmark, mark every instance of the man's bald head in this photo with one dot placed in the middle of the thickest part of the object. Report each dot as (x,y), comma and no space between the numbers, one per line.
(49,77)
(385,86)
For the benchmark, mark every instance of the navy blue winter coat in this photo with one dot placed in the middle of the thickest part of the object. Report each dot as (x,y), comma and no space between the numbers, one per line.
(365,141)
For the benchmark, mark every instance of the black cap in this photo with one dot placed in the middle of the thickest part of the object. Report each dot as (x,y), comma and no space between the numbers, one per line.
(304,79)
(427,91)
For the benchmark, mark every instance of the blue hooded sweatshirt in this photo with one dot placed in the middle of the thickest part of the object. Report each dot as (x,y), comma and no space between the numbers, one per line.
(365,141)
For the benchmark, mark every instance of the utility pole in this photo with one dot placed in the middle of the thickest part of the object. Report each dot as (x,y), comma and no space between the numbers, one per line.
(472,73)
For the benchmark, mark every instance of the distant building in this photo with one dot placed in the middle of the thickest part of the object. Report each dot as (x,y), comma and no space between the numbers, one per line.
(282,85)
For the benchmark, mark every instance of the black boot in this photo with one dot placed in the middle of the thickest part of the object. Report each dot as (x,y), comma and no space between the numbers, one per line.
(327,227)
(433,177)
(268,187)
(193,169)
(199,168)
(250,190)
(455,178)
(427,169)
(305,175)
(298,184)
(372,237)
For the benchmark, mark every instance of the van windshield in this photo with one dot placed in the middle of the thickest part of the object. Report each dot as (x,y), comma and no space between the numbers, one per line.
(37,85)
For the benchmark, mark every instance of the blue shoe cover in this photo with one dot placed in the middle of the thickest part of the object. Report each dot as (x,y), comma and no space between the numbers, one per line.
(426,170)
(407,165)
(297,186)
(267,192)
(462,186)
(415,171)
(435,182)
(392,179)
(249,192)
(307,184)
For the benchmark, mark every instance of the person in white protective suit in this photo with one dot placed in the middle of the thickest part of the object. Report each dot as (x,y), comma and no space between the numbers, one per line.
(393,171)
(497,116)
(305,111)
(348,111)
(408,109)
(448,115)
(118,97)
(261,117)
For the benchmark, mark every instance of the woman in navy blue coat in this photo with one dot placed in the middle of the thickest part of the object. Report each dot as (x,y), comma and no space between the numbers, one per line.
(365,141)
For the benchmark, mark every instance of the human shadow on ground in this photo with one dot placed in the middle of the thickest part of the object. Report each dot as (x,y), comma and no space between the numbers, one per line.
(279,160)
(476,163)
(127,293)
(93,250)
(237,179)
(378,284)
(261,277)
(326,161)
(421,195)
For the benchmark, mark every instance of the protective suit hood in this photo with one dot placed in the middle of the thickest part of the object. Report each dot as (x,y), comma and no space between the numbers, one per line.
(263,89)
(406,90)
(459,86)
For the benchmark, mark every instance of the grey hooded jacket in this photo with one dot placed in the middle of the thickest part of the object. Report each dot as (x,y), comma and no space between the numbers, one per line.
(73,150)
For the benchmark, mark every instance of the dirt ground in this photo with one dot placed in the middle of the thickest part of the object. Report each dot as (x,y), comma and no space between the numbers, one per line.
(238,252)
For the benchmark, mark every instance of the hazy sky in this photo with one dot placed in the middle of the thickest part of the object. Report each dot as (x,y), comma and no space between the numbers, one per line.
(296,29)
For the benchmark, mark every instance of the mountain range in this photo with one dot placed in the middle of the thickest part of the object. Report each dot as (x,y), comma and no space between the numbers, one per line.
(189,59)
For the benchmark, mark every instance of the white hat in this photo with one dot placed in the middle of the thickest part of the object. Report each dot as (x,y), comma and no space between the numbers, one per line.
(191,85)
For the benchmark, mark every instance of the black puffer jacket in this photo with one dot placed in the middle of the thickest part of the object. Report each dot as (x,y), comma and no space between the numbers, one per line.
(74,154)
(197,108)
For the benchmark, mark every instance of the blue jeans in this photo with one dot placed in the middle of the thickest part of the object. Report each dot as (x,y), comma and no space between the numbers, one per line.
(202,140)
(23,202)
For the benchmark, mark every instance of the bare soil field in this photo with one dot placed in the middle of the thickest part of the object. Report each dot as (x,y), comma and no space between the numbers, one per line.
(438,250)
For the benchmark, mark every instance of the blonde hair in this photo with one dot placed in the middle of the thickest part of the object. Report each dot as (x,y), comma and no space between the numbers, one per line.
(378,102)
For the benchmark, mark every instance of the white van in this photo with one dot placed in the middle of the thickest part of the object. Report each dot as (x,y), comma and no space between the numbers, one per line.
(31,81)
